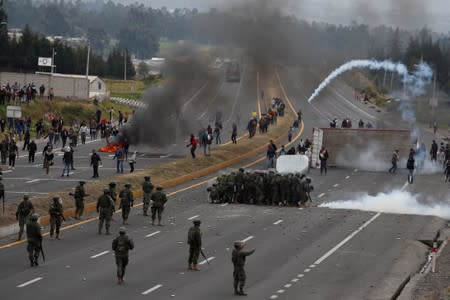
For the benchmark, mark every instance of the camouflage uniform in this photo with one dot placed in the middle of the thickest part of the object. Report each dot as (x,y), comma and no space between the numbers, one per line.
(147,188)
(158,200)
(79,199)
(238,259)
(34,239)
(105,208)
(195,245)
(24,210)
(56,216)
(121,245)
(126,202)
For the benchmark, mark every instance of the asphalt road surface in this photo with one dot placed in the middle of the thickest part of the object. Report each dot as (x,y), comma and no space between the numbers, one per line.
(312,253)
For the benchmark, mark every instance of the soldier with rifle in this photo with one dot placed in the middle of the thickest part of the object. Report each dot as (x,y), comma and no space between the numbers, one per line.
(56,216)
(159,199)
(105,208)
(24,210)
(195,245)
(147,188)
(34,239)
(126,202)
(79,195)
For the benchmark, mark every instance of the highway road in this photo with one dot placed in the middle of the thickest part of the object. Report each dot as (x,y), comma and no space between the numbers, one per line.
(312,253)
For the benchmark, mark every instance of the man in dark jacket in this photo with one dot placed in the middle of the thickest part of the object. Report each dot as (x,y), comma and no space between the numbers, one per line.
(121,246)
(95,162)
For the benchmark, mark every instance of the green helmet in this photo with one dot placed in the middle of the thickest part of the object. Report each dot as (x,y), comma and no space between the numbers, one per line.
(34,217)
(106,191)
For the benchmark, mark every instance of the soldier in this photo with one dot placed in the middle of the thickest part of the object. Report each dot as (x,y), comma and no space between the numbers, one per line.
(112,191)
(195,245)
(105,207)
(147,188)
(158,200)
(24,210)
(79,195)
(126,202)
(121,245)
(56,216)
(34,239)
(238,259)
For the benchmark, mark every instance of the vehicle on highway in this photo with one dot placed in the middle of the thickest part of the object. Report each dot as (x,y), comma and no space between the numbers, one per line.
(233,72)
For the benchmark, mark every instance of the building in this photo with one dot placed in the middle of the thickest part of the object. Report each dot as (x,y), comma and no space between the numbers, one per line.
(64,85)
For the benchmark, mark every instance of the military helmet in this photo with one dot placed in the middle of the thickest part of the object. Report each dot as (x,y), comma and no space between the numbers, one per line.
(159,188)
(127,184)
(34,217)
(197,222)
(81,182)
(308,179)
(106,191)
(56,198)
(112,184)
(26,197)
(147,177)
(241,169)
(122,230)
(238,244)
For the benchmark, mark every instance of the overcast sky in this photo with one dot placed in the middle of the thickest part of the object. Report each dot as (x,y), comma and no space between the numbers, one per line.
(410,14)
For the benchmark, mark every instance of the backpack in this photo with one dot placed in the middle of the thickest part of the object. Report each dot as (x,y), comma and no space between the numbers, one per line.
(122,245)
(191,235)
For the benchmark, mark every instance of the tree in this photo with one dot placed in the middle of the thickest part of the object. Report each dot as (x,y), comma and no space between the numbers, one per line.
(143,69)
(115,63)
(395,46)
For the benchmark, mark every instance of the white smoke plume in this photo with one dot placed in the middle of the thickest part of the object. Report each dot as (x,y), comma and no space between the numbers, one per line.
(396,202)
(414,82)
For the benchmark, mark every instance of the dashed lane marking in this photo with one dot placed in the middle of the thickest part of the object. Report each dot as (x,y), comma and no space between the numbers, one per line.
(100,254)
(288,285)
(34,180)
(206,261)
(27,192)
(280,291)
(321,195)
(307,270)
(29,282)
(347,177)
(274,297)
(152,289)
(277,222)
(193,217)
(312,266)
(225,204)
(152,234)
(336,185)
(300,275)
(295,280)
(348,238)
(247,239)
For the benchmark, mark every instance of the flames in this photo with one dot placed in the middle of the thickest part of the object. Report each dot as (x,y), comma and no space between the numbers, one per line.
(111,148)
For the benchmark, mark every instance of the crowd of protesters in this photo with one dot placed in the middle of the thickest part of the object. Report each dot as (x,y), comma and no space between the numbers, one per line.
(14,94)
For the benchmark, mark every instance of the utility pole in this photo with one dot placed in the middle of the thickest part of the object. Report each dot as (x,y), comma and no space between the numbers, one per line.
(125,64)
(87,61)
(53,59)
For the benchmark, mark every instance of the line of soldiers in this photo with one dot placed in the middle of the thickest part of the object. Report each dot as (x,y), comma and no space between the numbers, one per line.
(261,188)
(122,244)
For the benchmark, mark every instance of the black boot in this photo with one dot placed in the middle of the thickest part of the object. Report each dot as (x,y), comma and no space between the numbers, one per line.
(241,293)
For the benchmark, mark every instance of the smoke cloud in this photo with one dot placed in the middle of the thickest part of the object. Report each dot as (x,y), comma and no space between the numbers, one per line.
(396,202)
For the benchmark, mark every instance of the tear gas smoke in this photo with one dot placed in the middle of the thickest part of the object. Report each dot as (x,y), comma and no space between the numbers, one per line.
(396,202)
(414,82)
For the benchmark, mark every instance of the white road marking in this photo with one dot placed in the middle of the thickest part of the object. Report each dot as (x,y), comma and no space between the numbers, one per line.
(336,185)
(287,285)
(274,297)
(193,217)
(27,192)
(348,238)
(152,234)
(295,280)
(307,270)
(34,180)
(29,282)
(152,289)
(321,195)
(277,222)
(280,291)
(225,204)
(100,254)
(247,239)
(300,208)
(312,266)
(347,177)
(300,275)
(204,261)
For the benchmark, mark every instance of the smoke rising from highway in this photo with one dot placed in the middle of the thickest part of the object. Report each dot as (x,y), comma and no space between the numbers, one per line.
(396,202)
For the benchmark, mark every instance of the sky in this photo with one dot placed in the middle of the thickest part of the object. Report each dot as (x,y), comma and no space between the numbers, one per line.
(408,14)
